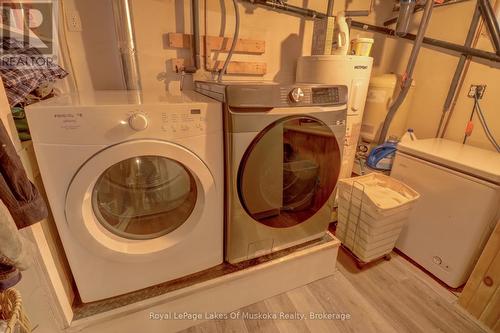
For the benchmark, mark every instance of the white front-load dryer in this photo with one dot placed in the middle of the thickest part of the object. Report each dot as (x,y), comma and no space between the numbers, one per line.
(135,183)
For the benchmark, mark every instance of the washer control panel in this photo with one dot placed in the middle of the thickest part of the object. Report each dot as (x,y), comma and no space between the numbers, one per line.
(172,122)
(138,121)
(104,118)
(188,122)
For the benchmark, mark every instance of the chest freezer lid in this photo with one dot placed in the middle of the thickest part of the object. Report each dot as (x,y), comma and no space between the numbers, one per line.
(474,161)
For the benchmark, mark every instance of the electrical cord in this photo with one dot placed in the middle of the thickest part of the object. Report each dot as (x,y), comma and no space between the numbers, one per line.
(468,129)
(233,44)
(487,130)
(484,124)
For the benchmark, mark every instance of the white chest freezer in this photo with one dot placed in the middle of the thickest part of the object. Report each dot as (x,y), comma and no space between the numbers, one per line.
(459,189)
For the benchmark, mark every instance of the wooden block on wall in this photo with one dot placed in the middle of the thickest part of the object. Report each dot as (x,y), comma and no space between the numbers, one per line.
(213,43)
(243,46)
(179,41)
(241,67)
(235,67)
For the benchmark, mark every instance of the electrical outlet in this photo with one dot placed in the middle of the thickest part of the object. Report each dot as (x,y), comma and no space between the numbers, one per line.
(477,90)
(74,21)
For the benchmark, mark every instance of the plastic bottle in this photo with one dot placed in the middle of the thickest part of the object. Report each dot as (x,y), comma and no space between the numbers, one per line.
(406,8)
(409,136)
(382,157)
(343,40)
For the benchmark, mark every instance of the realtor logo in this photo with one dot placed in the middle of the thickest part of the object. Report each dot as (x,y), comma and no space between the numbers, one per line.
(31,25)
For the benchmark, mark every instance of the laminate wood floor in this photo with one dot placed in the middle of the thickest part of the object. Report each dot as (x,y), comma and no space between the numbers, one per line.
(390,296)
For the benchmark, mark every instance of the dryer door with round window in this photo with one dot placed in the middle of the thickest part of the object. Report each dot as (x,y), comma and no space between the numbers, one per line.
(137,198)
(289,172)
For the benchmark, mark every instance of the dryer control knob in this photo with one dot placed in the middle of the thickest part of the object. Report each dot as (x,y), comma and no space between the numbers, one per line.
(296,95)
(138,122)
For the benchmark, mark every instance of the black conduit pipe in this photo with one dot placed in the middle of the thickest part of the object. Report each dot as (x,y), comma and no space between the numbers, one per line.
(420,8)
(491,22)
(352,13)
(312,14)
(329,11)
(408,77)
(460,68)
(307,13)
(430,41)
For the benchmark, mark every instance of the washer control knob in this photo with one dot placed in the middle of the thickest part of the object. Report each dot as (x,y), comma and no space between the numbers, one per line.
(296,95)
(138,122)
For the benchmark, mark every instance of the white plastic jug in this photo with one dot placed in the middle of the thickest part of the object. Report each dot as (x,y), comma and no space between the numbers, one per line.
(343,40)
(408,136)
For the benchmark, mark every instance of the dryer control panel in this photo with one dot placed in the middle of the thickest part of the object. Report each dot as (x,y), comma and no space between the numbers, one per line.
(313,96)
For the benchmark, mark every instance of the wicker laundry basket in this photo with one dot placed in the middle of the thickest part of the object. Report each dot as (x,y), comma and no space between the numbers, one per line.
(12,312)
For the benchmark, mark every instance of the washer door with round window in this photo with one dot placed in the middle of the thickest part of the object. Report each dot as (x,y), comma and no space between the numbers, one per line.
(134,200)
(289,172)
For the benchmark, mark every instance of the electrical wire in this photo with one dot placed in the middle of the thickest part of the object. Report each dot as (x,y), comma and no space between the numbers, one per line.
(235,41)
(466,135)
(487,130)
(484,124)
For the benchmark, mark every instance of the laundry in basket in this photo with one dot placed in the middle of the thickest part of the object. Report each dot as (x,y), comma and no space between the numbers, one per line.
(372,212)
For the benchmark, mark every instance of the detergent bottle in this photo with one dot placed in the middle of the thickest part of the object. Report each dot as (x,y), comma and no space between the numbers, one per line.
(382,157)
(409,136)
(342,33)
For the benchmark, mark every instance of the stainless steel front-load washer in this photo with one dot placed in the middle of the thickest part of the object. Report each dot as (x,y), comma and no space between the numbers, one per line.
(283,146)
